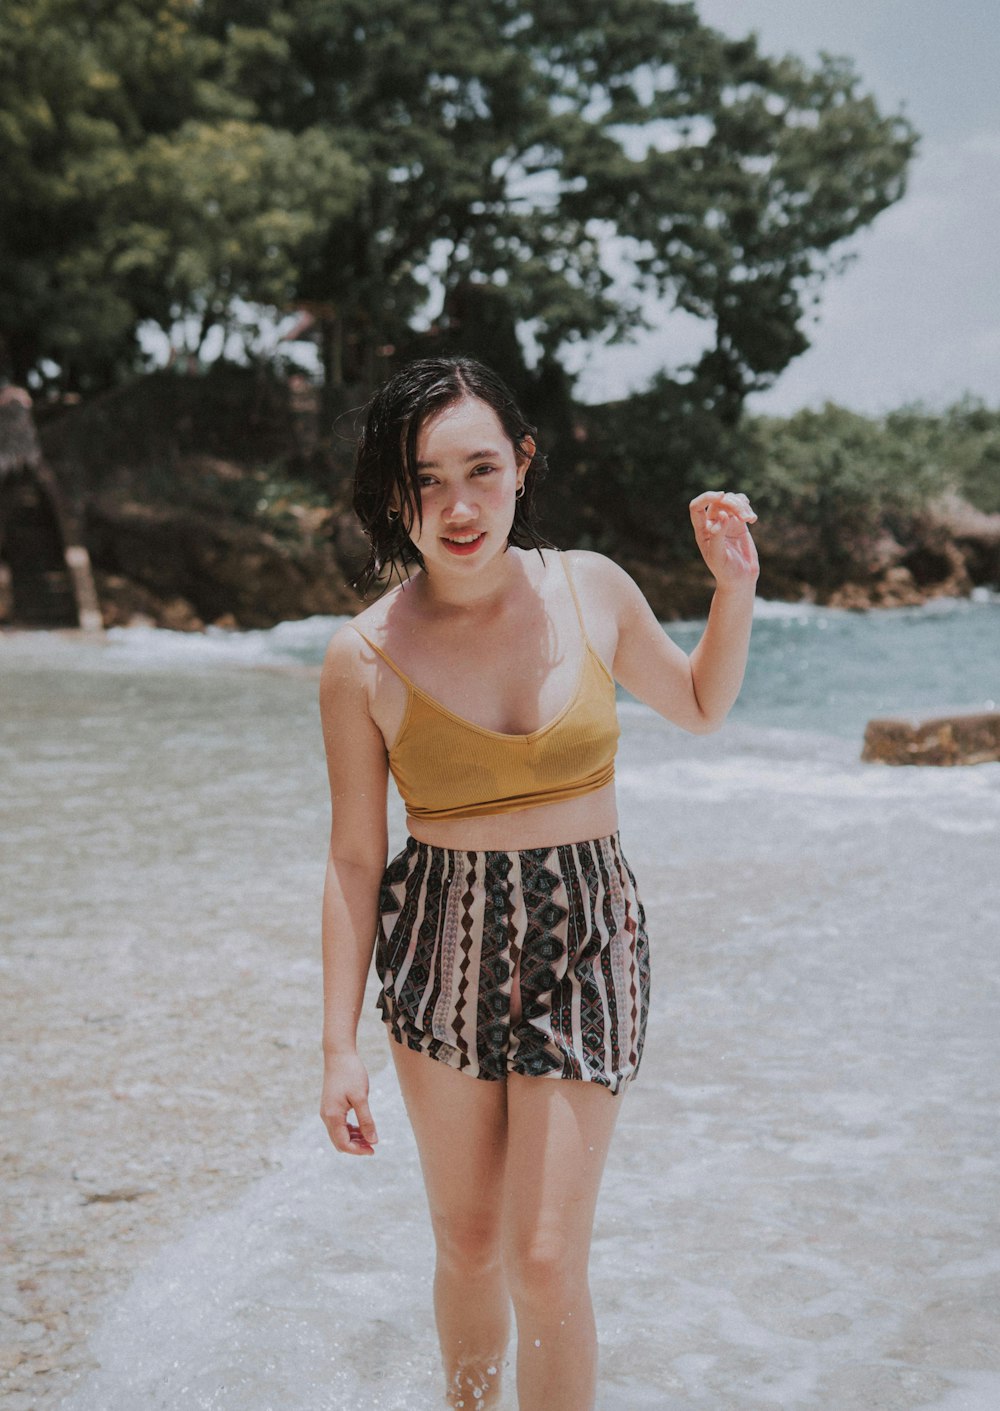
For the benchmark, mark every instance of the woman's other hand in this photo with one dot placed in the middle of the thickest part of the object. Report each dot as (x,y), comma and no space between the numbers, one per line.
(345,1089)
(721,519)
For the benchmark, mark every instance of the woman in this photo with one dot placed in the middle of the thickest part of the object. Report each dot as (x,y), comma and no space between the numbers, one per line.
(511,944)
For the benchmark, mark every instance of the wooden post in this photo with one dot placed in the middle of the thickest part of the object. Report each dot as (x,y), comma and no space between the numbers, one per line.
(34,532)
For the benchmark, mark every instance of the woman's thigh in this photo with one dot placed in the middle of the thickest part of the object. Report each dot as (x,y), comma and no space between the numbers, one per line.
(559,1133)
(460,1125)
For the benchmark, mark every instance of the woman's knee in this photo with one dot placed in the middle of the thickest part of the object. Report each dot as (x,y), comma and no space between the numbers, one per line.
(469,1241)
(545,1269)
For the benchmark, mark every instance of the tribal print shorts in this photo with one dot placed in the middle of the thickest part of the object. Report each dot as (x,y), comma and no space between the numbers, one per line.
(453,925)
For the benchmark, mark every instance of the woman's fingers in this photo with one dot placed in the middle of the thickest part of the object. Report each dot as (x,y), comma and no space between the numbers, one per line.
(721,512)
(366,1130)
(708,506)
(721,520)
(348,1137)
(358,1143)
(355,1139)
(345,1093)
(335,1122)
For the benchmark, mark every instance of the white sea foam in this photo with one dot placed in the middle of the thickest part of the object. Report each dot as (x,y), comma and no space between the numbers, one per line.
(773,608)
(737,776)
(311,1292)
(302,641)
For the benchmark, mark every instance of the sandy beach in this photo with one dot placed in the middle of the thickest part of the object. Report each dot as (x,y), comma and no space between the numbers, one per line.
(160,978)
(801,1206)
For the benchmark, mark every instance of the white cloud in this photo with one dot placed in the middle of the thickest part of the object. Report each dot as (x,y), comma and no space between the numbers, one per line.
(915,317)
(918,313)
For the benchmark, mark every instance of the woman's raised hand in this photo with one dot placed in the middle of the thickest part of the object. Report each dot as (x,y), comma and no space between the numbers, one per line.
(721,519)
(345,1089)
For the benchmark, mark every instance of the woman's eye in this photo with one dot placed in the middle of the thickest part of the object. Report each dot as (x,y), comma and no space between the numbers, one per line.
(484,470)
(425,482)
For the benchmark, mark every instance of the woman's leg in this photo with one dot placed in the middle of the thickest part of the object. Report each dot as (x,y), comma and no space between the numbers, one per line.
(558,1135)
(460,1126)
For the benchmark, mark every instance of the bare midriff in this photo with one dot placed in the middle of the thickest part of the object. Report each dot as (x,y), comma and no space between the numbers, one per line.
(593,815)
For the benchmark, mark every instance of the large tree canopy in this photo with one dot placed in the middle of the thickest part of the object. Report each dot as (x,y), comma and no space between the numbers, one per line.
(81,88)
(138,186)
(396,154)
(508,142)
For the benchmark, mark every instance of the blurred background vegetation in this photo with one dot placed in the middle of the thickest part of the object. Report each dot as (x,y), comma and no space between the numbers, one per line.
(282,201)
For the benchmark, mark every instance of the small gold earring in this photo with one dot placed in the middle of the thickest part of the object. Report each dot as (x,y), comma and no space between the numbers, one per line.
(392,515)
(518,492)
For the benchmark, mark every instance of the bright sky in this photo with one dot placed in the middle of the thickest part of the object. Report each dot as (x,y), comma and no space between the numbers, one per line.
(917,315)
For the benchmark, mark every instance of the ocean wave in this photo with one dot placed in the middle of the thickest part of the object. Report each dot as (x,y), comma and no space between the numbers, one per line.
(770,608)
(302,641)
(735,775)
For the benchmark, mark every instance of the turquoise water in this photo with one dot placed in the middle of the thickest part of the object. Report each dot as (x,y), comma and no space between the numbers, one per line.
(832,671)
(811,669)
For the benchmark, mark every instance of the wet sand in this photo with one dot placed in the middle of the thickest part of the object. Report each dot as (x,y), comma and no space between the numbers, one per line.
(800,1209)
(159,901)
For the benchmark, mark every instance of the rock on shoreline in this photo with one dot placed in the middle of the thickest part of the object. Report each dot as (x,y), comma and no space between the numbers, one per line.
(959,737)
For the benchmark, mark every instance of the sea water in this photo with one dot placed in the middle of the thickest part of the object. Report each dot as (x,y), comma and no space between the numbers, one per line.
(811,668)
(799,1208)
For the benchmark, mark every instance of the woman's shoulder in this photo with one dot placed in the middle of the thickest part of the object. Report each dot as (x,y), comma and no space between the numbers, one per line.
(349,642)
(598,574)
(349,657)
(588,561)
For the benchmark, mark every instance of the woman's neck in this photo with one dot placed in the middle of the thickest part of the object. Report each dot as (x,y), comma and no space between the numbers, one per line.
(468,594)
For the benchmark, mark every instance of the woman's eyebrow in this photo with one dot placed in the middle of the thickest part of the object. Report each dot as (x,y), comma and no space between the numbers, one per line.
(485,455)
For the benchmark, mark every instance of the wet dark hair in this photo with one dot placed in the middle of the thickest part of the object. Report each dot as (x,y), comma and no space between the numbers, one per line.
(386,458)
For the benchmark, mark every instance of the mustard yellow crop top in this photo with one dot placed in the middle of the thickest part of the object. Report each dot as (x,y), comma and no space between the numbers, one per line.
(446,767)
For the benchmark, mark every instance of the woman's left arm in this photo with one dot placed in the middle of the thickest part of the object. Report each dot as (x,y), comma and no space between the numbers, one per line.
(696,691)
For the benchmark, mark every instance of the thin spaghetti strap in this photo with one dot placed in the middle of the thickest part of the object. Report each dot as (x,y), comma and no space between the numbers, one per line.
(576,601)
(384,655)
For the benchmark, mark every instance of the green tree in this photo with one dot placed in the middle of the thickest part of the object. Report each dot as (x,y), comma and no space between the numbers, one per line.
(218,213)
(965,443)
(80,89)
(837,483)
(137,187)
(508,143)
(432,149)
(640,462)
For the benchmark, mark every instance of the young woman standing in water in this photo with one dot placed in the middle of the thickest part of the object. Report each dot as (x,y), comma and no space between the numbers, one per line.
(508,935)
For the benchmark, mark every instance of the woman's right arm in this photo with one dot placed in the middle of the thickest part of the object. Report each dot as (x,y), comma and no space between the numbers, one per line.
(358,772)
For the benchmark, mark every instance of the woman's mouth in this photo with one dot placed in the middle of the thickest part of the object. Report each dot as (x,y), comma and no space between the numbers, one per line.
(463,543)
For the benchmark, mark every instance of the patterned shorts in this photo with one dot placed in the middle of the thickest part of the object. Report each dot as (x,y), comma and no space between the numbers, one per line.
(454,924)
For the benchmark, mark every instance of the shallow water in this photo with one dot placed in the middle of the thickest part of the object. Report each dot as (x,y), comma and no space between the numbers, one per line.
(810,668)
(800,1206)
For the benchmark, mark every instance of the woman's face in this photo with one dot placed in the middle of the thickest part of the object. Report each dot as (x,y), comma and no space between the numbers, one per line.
(469,472)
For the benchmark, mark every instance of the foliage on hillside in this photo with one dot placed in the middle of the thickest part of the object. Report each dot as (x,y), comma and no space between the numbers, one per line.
(855,510)
(850,498)
(840,464)
(843,498)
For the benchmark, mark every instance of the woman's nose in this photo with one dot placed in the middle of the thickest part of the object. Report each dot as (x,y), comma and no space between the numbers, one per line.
(461,508)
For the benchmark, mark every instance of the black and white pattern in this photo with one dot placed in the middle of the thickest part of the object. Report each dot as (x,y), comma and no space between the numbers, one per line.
(455,925)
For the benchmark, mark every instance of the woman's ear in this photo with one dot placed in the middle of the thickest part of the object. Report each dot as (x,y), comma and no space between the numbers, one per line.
(397,510)
(525,455)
